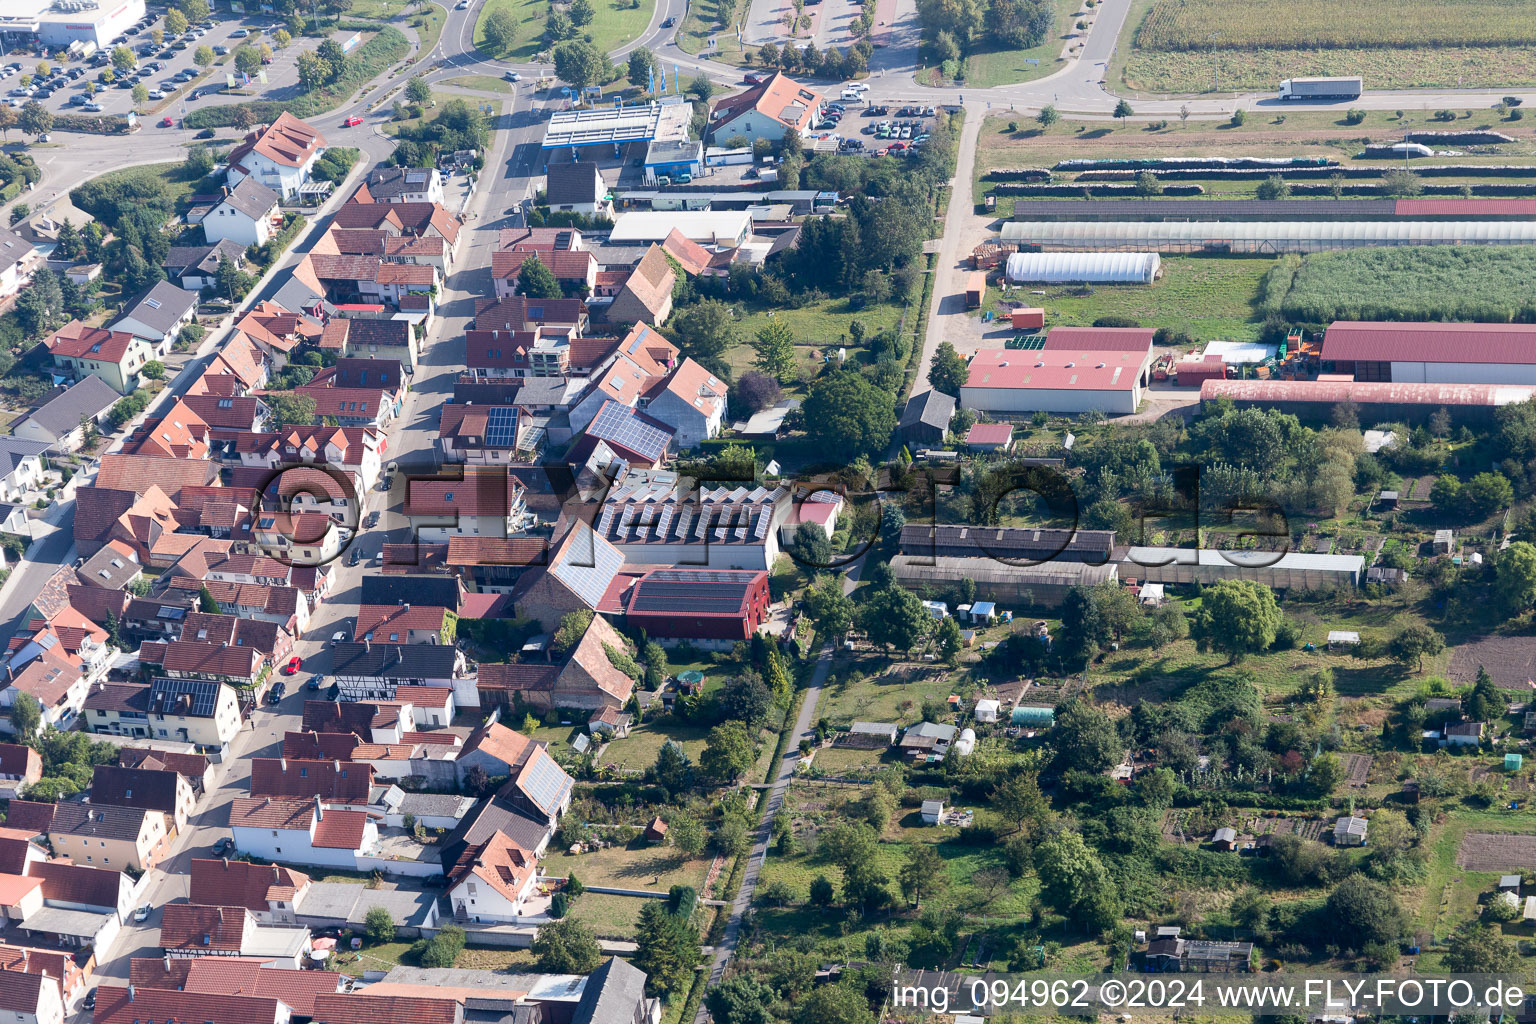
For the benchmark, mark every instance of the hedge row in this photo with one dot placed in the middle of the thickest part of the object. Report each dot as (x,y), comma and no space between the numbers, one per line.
(1194,162)
(1061,191)
(1018,174)
(370,61)
(1428,171)
(1481,189)
(90,125)
(1470,138)
(10,192)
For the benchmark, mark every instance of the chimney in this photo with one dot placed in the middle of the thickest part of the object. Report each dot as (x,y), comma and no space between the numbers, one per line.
(130,985)
(319,811)
(167,963)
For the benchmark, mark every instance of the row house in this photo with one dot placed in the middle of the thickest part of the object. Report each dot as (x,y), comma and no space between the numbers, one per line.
(373,338)
(193,930)
(197,711)
(355,450)
(303,832)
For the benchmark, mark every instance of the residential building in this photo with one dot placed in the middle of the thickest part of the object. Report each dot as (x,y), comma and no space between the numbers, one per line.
(373,339)
(20,766)
(60,421)
(405,624)
(144,788)
(492,881)
(302,832)
(646,296)
(116,356)
(196,267)
(579,569)
(31,998)
(925,420)
(58,684)
(131,1004)
(588,678)
(374,669)
(189,930)
(537,785)
(402,185)
(247,215)
(108,835)
(21,468)
(199,711)
(158,316)
(58,967)
(280,156)
(482,502)
(690,400)
(270,892)
(578,188)
(17,257)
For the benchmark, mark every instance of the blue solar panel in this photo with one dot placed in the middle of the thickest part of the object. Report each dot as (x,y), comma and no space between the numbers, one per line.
(165,696)
(501,427)
(545,782)
(618,424)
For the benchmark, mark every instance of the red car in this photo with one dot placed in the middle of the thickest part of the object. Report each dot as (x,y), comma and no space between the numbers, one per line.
(352,122)
(293,666)
(167,122)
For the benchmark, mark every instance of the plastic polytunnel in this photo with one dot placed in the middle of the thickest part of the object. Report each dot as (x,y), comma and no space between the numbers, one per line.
(1083,267)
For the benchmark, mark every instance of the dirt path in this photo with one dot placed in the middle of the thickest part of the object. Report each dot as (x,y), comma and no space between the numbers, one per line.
(964,229)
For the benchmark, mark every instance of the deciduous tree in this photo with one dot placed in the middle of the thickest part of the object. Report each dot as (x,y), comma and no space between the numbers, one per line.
(948,371)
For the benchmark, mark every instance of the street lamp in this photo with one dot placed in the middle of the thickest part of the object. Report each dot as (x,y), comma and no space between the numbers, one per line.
(1215,65)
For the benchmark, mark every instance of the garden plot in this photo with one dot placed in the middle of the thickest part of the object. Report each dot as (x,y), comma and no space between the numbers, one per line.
(1488,851)
(1357,770)
(1510,661)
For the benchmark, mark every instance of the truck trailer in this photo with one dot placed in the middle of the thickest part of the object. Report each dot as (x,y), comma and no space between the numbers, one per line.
(1321,88)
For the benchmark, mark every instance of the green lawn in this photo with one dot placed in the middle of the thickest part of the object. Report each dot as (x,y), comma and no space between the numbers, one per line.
(483,83)
(644,742)
(643,867)
(609,916)
(617,22)
(1211,297)
(714,19)
(374,958)
(178,188)
(817,326)
(1009,67)
(426,20)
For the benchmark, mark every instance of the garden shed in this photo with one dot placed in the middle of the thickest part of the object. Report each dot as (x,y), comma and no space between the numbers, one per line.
(987,710)
(1513,762)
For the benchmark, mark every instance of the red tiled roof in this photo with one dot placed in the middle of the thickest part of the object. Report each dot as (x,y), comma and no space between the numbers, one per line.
(384,619)
(243,976)
(225,882)
(340,830)
(1369,341)
(266,812)
(76,340)
(424,696)
(990,433)
(78,883)
(481,492)
(287,141)
(115,1005)
(342,781)
(336,746)
(184,926)
(367,1009)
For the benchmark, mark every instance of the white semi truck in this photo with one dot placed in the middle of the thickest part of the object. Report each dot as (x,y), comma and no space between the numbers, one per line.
(1321,88)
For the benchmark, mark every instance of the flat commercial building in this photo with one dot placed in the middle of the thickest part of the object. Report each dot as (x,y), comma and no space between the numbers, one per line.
(58,23)
(1079,370)
(1432,353)
(707,227)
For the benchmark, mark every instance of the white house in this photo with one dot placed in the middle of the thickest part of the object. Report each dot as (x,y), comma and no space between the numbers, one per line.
(247,215)
(290,831)
(576,187)
(158,316)
(32,998)
(691,401)
(21,467)
(280,156)
(16,259)
(769,110)
(405,185)
(492,882)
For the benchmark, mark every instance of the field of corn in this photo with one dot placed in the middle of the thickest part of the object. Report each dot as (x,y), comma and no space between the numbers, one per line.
(1178,25)
(1439,282)
(1443,67)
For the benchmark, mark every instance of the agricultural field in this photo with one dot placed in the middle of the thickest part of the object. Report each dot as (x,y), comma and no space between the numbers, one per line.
(1407,283)
(1194,46)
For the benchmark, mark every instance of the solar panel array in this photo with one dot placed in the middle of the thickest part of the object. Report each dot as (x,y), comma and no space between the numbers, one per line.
(544,782)
(501,427)
(700,593)
(617,424)
(164,694)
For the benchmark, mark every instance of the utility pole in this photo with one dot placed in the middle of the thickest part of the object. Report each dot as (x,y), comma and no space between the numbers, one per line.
(1215,65)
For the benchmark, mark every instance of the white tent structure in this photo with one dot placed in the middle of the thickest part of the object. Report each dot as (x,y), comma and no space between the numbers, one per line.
(1260,236)
(1083,267)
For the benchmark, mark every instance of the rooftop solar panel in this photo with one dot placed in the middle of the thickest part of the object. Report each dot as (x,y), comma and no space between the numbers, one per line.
(501,427)
(545,782)
(165,693)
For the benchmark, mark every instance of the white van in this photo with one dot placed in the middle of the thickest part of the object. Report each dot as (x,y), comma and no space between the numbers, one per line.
(852,95)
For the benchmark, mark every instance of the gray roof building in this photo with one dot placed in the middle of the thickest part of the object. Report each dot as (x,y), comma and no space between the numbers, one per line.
(927,416)
(98,821)
(252,198)
(13,450)
(388,183)
(61,414)
(335,904)
(13,249)
(568,184)
(438,591)
(160,308)
(202,260)
(400,662)
(109,569)
(615,994)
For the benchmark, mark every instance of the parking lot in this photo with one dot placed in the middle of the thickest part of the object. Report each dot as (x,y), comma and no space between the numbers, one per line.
(166,70)
(878,129)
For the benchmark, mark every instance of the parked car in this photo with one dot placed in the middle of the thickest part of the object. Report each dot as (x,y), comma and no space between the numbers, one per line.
(221,50)
(224,845)
(89,1002)
(141,915)
(277,693)
(314,683)
(338,637)
(93,108)
(240,33)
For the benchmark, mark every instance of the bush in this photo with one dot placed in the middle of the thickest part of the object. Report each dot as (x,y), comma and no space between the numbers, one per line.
(1354,117)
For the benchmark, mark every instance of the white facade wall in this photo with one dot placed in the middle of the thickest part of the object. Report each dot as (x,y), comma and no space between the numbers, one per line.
(226,222)
(1119,402)
(1464,373)
(292,846)
(280,178)
(486,903)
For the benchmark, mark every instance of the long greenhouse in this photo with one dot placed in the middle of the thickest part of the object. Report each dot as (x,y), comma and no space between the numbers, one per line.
(1083,267)
(1260,236)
